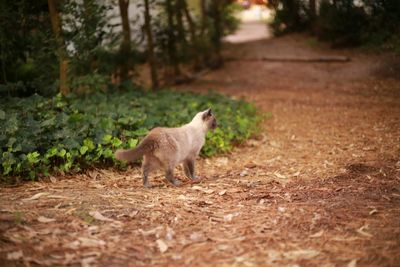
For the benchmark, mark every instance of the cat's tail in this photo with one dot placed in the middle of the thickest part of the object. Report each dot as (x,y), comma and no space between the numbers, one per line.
(130,155)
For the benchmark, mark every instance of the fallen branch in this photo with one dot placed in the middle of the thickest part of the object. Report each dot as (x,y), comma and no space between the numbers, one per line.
(295,59)
(188,78)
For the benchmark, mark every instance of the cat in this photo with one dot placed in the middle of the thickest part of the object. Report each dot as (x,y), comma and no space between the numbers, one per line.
(165,148)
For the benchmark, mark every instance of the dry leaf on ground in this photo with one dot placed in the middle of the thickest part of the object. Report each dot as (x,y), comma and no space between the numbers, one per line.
(43,219)
(301,254)
(98,216)
(36,196)
(362,229)
(229,217)
(88,262)
(352,263)
(317,234)
(162,246)
(281,176)
(15,255)
(89,242)
(244,173)
(199,188)
(197,237)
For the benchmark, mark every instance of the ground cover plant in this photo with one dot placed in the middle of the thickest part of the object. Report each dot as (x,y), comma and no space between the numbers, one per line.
(41,135)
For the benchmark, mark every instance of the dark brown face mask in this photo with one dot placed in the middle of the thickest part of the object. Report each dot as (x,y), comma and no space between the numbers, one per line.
(214,123)
(210,119)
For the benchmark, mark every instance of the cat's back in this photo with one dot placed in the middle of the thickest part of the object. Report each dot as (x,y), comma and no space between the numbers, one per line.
(165,138)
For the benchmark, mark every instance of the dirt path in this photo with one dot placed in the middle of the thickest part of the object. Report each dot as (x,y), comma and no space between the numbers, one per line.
(319,187)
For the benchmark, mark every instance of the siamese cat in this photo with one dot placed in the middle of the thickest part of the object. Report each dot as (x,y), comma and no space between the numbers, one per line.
(165,148)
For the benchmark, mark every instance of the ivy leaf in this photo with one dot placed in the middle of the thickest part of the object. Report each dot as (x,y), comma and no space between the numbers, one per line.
(71,143)
(116,142)
(124,120)
(27,145)
(132,142)
(62,153)
(141,132)
(2,115)
(48,122)
(33,157)
(89,143)
(107,138)
(108,153)
(51,152)
(86,128)
(11,141)
(83,150)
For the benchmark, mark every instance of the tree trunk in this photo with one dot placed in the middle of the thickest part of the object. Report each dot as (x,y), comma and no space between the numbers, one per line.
(126,39)
(62,52)
(150,45)
(180,5)
(313,11)
(216,6)
(193,37)
(192,28)
(203,12)
(171,40)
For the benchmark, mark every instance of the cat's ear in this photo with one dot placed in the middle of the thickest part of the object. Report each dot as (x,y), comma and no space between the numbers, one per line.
(207,114)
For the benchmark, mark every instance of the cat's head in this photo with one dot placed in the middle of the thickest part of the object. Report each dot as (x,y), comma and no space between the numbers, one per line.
(209,119)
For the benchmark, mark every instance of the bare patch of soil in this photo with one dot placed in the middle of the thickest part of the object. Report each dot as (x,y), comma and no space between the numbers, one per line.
(319,186)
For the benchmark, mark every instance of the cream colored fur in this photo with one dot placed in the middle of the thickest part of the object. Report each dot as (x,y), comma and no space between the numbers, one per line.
(165,148)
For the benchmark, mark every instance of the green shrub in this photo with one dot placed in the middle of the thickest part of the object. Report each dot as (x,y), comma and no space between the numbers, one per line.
(27,49)
(41,135)
(87,84)
(290,16)
(341,23)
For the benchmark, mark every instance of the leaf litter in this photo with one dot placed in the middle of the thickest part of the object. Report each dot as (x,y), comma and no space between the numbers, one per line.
(43,219)
(294,196)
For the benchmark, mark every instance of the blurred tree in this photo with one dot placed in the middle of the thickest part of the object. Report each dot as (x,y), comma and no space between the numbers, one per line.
(27,48)
(193,36)
(85,29)
(342,22)
(203,11)
(62,52)
(183,39)
(222,22)
(181,33)
(150,45)
(171,42)
(290,15)
(125,67)
(313,9)
(90,55)
(216,35)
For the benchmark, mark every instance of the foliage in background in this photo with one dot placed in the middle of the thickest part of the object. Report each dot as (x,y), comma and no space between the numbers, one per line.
(85,29)
(184,37)
(341,22)
(42,135)
(290,16)
(27,49)
(29,61)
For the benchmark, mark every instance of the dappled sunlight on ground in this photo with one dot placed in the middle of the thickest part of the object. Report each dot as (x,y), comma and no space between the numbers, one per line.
(250,31)
(253,26)
(256,13)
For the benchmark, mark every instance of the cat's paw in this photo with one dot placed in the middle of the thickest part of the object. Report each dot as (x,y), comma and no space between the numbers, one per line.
(176,183)
(147,185)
